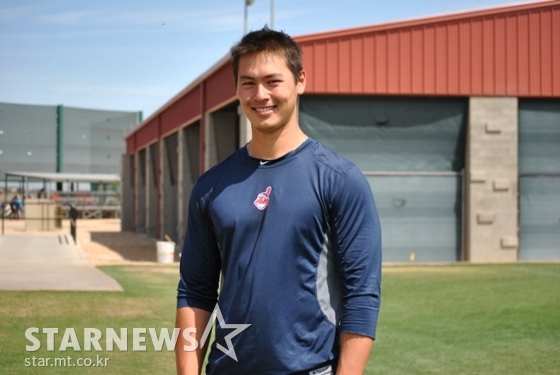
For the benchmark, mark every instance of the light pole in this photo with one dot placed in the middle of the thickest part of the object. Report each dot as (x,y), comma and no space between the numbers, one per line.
(248,3)
(272,14)
(244,124)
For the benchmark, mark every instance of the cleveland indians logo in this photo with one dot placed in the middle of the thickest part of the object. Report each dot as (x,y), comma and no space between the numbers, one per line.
(262,199)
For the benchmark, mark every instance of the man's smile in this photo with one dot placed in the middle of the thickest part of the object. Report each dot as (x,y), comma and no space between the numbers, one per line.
(264,109)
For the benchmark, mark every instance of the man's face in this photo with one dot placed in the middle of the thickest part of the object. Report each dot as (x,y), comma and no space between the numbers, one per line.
(268,92)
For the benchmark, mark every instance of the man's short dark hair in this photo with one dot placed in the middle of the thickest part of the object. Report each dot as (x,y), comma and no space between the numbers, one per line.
(271,41)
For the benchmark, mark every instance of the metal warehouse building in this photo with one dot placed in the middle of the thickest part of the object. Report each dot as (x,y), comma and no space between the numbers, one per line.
(454,120)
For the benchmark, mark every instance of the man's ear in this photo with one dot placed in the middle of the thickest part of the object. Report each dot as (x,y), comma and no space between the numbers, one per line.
(302,80)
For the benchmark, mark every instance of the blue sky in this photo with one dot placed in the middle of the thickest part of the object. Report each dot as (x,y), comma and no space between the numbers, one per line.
(136,55)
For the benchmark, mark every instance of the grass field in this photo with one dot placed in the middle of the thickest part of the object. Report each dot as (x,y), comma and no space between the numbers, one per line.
(454,319)
(469,319)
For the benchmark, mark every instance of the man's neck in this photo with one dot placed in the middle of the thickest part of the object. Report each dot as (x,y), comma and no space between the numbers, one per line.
(270,146)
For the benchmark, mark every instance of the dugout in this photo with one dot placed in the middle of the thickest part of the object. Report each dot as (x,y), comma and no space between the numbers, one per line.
(53,195)
(453,120)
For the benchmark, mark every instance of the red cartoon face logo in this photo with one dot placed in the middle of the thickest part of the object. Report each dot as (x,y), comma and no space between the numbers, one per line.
(262,199)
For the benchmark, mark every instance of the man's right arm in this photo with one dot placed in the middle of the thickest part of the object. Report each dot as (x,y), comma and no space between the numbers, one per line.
(197,291)
(190,362)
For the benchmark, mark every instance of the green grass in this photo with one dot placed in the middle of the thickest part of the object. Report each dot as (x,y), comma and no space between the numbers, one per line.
(455,319)
(469,319)
(148,301)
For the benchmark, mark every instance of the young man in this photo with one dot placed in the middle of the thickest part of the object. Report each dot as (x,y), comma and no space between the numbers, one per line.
(292,229)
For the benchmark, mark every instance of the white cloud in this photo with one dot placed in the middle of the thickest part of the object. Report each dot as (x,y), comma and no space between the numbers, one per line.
(12,13)
(115,89)
(184,18)
(67,18)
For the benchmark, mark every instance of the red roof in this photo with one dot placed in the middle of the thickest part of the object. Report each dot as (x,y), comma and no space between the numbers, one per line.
(505,51)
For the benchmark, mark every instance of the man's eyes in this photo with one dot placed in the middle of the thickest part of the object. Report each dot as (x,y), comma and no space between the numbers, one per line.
(271,82)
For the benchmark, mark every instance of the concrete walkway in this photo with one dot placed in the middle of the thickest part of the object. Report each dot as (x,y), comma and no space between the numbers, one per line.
(48,262)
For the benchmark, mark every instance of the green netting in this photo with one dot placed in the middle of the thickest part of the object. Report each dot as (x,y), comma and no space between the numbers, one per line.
(420,214)
(539,203)
(94,139)
(539,180)
(28,138)
(420,217)
(539,137)
(389,134)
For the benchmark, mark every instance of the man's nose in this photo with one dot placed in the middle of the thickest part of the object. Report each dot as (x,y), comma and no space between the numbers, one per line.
(261,92)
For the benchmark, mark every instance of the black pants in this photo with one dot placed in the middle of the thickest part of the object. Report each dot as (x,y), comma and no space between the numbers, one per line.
(327,368)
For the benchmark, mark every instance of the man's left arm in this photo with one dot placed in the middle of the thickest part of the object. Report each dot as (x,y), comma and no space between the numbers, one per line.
(358,237)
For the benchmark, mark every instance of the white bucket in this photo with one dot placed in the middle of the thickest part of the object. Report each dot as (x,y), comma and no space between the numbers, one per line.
(165,251)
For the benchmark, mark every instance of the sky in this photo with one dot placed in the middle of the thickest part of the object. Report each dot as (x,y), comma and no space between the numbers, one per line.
(136,55)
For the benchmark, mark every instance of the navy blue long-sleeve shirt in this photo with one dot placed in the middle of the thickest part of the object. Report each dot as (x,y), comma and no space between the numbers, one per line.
(298,244)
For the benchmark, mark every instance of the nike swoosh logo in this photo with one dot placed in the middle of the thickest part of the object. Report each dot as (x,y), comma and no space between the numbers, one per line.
(263,162)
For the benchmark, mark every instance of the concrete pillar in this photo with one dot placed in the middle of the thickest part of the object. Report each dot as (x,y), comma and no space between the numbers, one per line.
(169,186)
(210,149)
(492,180)
(148,190)
(140,186)
(181,219)
(136,187)
(161,189)
(152,191)
(126,193)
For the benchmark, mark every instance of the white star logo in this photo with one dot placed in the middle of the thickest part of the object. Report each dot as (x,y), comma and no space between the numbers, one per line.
(229,351)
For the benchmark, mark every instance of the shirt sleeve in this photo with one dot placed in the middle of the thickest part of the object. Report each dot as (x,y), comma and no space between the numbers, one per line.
(200,259)
(358,237)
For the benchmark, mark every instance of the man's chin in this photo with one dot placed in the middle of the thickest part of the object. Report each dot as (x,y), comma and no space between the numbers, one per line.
(266,127)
